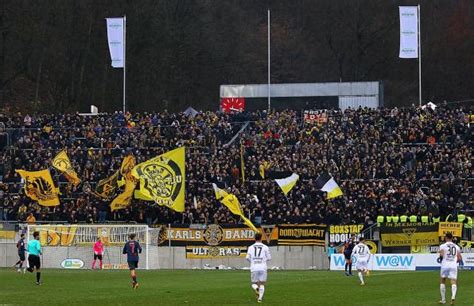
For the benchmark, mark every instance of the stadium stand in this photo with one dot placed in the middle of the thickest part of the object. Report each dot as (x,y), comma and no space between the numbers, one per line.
(405,163)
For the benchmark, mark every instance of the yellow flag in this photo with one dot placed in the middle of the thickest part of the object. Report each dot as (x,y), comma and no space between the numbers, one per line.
(39,186)
(127,165)
(124,199)
(162,179)
(138,194)
(234,206)
(63,164)
(231,202)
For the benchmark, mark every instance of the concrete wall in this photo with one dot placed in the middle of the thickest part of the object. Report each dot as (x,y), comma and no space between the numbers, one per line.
(285,257)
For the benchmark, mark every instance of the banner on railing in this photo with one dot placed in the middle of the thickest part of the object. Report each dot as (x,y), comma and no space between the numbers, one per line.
(408,234)
(213,252)
(342,233)
(301,234)
(86,235)
(454,228)
(210,235)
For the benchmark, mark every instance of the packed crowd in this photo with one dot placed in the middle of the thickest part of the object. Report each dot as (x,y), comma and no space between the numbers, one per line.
(387,162)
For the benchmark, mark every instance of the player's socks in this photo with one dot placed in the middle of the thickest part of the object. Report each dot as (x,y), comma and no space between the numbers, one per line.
(261,291)
(93,264)
(255,288)
(361,277)
(454,288)
(345,267)
(350,269)
(442,290)
(100,264)
(38,277)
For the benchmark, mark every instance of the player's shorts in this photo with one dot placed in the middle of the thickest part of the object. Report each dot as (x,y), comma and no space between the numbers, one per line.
(132,265)
(98,256)
(362,264)
(22,256)
(347,256)
(34,261)
(258,276)
(449,272)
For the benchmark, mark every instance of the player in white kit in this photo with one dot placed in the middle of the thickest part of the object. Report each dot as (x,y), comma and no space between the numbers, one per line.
(449,256)
(362,252)
(258,254)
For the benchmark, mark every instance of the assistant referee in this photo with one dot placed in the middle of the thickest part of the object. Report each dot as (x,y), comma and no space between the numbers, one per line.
(34,251)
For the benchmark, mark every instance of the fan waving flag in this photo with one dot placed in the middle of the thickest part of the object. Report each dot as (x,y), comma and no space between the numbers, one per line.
(326,183)
(231,202)
(39,187)
(162,179)
(63,164)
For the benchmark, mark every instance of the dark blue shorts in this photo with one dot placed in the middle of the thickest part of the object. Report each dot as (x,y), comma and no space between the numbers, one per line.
(132,265)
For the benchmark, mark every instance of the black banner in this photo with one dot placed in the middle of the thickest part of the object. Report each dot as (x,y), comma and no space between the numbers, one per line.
(211,235)
(301,234)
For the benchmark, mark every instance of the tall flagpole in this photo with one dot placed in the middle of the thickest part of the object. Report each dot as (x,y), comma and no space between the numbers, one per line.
(268,71)
(124,62)
(419,54)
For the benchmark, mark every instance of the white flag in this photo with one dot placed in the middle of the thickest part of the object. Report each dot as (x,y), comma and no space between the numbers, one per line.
(116,41)
(408,31)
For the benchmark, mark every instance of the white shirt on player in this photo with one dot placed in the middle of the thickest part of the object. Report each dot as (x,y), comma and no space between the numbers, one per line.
(258,254)
(450,256)
(361,251)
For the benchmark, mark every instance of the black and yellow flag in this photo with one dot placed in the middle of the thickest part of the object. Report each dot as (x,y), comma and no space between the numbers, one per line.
(63,164)
(162,179)
(106,188)
(171,173)
(231,202)
(124,199)
(39,187)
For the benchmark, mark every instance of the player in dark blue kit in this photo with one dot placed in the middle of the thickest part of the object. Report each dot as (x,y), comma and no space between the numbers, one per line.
(348,247)
(132,248)
(20,245)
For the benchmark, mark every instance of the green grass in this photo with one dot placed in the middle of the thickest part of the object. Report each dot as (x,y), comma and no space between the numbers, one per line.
(211,287)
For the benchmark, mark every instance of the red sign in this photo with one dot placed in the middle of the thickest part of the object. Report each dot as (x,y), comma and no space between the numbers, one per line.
(232,104)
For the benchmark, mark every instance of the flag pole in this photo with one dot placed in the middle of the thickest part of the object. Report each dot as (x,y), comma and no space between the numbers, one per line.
(124,62)
(419,54)
(268,64)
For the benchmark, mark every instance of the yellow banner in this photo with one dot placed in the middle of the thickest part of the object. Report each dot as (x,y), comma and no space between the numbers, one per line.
(454,228)
(409,239)
(163,179)
(39,187)
(63,164)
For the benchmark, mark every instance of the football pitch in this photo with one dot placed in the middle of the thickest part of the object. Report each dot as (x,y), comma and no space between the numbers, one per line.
(220,287)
